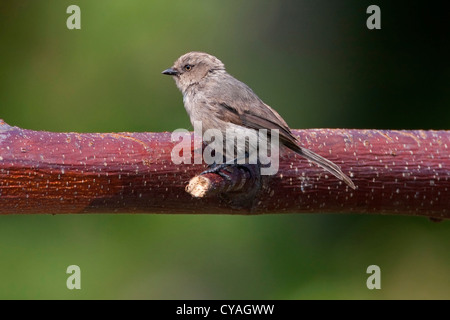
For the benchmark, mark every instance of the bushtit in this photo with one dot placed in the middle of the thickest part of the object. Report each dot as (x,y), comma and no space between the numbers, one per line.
(219,101)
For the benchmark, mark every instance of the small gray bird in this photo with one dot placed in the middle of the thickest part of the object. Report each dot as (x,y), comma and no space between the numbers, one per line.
(219,101)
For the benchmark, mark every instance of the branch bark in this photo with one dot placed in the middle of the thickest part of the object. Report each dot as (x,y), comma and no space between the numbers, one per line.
(396,172)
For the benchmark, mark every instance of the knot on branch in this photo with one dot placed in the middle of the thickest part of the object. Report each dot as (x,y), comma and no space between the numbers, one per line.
(239,184)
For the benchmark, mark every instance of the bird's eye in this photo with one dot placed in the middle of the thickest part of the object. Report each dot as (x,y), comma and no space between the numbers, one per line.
(188,67)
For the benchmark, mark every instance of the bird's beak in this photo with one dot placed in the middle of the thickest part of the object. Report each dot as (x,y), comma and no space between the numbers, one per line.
(170,72)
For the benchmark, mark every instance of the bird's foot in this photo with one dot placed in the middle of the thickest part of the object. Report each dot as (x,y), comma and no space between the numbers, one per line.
(216,168)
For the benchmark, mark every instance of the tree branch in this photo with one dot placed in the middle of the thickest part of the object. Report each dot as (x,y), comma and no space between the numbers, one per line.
(396,172)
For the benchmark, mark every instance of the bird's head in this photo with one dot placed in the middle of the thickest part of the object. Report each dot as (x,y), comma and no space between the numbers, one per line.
(192,67)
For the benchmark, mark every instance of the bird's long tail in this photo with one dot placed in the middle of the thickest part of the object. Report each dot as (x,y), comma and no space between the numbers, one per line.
(327,165)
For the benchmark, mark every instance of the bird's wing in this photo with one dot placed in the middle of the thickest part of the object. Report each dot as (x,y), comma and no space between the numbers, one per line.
(241,106)
(264,119)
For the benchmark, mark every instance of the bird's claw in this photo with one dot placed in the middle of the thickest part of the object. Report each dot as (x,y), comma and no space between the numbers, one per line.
(216,168)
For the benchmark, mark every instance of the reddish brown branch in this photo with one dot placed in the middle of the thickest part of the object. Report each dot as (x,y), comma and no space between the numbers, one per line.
(396,172)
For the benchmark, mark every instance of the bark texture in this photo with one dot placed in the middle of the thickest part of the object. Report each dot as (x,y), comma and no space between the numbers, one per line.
(396,172)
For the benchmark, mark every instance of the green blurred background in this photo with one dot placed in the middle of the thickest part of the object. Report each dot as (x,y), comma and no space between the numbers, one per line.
(314,61)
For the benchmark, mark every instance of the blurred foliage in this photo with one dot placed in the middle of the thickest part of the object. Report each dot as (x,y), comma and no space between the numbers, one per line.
(314,61)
